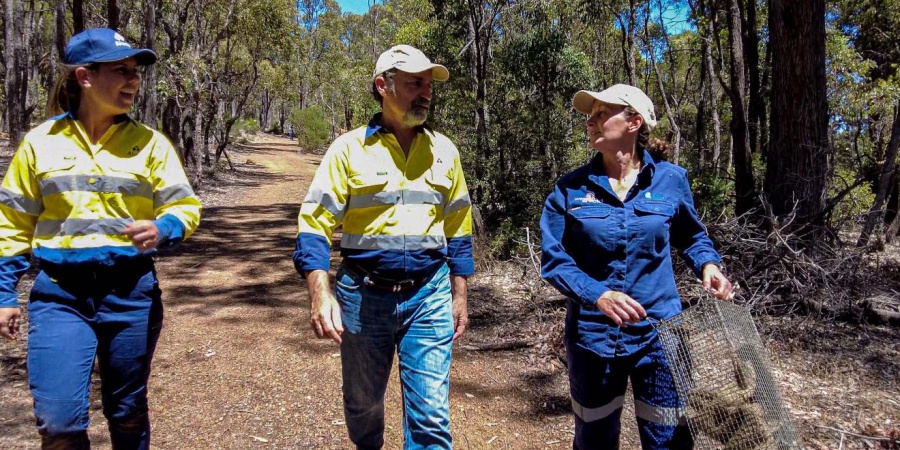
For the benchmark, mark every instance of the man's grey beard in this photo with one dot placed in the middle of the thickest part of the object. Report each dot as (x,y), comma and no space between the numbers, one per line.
(415,117)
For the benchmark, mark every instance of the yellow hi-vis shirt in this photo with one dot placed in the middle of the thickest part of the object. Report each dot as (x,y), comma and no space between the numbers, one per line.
(67,200)
(402,216)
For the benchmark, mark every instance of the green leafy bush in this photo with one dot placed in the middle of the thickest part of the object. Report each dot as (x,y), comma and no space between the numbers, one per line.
(312,131)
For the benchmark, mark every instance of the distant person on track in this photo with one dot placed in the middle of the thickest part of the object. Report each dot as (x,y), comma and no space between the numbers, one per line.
(397,187)
(90,195)
(291,132)
(606,230)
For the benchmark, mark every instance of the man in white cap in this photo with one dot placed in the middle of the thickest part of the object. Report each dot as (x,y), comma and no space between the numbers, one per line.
(397,187)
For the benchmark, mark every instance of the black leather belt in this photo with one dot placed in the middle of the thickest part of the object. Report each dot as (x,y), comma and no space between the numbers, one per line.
(386,284)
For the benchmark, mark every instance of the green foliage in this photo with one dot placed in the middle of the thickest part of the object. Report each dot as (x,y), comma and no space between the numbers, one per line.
(243,128)
(312,131)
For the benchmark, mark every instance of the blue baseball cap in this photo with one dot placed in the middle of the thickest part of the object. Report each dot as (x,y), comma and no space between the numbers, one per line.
(104,45)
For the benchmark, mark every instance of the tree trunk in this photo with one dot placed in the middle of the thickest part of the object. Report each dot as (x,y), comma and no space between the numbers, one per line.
(16,70)
(884,181)
(798,156)
(112,14)
(744,185)
(148,113)
(757,105)
(77,16)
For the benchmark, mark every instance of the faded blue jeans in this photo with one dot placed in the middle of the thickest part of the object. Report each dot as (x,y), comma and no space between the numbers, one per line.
(418,325)
(113,314)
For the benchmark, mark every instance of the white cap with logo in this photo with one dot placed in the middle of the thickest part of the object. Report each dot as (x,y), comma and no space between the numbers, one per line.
(409,59)
(619,94)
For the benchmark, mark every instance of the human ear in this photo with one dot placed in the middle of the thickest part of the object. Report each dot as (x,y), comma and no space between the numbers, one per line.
(83,76)
(381,85)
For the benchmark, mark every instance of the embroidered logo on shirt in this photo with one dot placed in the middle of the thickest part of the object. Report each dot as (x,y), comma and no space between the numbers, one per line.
(588,198)
(381,173)
(654,196)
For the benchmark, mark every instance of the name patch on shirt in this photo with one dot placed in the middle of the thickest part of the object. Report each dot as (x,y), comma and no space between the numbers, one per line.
(588,198)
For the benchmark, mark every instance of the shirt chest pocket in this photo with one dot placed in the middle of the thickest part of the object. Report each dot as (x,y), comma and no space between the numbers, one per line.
(593,227)
(370,189)
(56,176)
(653,218)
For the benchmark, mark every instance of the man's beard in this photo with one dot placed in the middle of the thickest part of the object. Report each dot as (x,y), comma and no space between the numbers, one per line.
(417,114)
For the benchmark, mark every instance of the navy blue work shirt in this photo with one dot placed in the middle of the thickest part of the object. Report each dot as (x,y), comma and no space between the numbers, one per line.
(593,242)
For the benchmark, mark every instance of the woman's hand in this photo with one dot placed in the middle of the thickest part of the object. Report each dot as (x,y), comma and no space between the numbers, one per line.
(9,322)
(621,308)
(143,234)
(716,283)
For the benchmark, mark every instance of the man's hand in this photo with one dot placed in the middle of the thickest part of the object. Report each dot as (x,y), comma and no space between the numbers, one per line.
(9,322)
(325,312)
(621,308)
(143,234)
(716,283)
(458,286)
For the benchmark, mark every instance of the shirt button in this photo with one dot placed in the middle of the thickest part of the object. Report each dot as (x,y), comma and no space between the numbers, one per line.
(92,181)
(621,226)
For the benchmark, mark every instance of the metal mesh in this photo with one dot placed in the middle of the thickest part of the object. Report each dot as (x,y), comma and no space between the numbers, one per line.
(723,377)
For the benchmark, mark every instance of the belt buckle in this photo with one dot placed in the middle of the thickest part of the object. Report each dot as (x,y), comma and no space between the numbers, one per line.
(399,286)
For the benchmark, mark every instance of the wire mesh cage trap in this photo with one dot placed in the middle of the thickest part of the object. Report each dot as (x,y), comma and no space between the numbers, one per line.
(723,377)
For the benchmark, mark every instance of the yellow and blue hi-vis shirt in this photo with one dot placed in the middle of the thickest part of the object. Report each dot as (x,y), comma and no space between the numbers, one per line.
(402,216)
(66,200)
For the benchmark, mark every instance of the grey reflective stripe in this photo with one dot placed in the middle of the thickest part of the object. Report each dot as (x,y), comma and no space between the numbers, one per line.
(458,204)
(601,412)
(403,197)
(80,227)
(382,242)
(658,414)
(171,194)
(96,183)
(20,203)
(327,200)
(422,198)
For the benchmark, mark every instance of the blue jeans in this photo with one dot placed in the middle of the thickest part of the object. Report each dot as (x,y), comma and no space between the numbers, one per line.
(598,385)
(419,325)
(75,315)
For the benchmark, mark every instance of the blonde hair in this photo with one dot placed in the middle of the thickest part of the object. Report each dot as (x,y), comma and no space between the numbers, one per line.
(66,94)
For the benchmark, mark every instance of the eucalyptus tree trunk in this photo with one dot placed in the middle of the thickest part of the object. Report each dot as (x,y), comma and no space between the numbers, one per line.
(757,105)
(798,158)
(884,182)
(148,106)
(744,185)
(112,14)
(77,16)
(15,44)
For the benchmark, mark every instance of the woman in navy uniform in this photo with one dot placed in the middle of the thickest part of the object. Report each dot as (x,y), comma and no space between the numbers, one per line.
(90,195)
(607,232)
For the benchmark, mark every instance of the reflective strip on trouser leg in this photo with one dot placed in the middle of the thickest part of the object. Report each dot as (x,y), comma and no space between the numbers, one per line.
(657,414)
(594,414)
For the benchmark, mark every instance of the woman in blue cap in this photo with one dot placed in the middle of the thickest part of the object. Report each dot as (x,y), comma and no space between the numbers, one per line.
(607,232)
(90,195)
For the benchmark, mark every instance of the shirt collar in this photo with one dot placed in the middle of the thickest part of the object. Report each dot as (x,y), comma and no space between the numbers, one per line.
(375,126)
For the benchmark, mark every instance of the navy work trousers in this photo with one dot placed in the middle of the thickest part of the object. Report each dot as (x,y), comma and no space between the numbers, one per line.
(79,314)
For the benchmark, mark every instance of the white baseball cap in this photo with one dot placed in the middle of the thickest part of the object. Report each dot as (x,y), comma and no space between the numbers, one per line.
(620,94)
(410,60)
